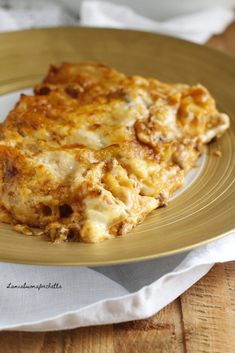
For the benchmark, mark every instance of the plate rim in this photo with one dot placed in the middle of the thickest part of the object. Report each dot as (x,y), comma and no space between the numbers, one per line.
(139,258)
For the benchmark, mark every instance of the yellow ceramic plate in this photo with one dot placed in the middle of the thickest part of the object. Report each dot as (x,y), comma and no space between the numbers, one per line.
(204,211)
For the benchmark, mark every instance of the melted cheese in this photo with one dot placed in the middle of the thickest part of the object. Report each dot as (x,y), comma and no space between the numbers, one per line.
(93,151)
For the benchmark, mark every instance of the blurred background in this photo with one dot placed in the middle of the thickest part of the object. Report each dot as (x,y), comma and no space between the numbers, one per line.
(195,20)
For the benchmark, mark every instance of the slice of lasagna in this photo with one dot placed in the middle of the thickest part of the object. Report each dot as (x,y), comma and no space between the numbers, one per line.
(93,151)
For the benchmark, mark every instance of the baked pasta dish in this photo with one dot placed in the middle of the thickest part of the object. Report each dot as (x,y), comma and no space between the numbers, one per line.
(93,151)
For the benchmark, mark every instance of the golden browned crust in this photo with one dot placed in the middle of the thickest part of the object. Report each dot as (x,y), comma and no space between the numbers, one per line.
(93,151)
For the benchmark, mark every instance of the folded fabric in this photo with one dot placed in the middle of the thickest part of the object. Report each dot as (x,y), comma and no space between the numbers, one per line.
(79,296)
(27,14)
(197,27)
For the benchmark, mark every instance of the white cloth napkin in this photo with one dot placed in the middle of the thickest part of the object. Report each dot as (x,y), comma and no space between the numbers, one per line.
(197,27)
(101,295)
(40,298)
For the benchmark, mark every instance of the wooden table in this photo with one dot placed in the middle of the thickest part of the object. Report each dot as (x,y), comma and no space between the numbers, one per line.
(202,320)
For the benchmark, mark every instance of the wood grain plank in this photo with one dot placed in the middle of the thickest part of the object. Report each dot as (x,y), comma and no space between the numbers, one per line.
(208,311)
(17,342)
(97,339)
(162,333)
(224,41)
